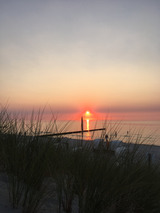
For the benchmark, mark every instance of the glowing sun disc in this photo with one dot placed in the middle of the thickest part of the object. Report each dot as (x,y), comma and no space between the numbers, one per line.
(87,113)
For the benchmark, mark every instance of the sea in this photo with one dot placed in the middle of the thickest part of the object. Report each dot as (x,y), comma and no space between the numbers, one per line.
(146,132)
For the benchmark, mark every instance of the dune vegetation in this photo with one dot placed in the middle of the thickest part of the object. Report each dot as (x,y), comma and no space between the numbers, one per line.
(44,175)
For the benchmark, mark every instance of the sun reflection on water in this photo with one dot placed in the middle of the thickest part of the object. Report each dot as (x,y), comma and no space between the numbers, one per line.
(88,134)
(87,121)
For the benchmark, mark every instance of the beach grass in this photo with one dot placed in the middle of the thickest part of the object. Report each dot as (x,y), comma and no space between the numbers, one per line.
(83,180)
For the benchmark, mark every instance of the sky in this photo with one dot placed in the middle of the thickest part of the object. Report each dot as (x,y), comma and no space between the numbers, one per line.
(71,55)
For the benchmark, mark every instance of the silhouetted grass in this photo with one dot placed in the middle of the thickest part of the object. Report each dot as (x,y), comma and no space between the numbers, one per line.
(84,181)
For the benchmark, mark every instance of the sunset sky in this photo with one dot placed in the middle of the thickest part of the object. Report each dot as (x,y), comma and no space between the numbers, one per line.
(76,55)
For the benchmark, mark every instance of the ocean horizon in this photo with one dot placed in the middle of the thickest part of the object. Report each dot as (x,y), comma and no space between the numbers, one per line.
(147,131)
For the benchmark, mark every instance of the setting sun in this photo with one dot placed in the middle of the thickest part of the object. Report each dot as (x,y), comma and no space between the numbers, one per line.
(87,113)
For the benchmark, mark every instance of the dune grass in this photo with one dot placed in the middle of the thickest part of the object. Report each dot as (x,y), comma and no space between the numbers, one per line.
(85,181)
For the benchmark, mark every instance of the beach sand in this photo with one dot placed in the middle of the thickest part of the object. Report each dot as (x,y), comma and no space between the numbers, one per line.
(5,206)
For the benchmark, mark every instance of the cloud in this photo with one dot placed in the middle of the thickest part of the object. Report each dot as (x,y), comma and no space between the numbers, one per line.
(44,109)
(126,109)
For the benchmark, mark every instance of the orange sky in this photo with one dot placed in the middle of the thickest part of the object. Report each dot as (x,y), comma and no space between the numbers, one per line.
(72,57)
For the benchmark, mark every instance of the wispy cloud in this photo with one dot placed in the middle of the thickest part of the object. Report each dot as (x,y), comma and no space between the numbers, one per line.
(126,109)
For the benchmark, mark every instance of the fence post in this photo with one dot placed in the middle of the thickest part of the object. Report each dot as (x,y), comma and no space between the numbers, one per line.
(82,128)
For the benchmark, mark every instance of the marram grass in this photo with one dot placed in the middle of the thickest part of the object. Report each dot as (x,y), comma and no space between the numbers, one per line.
(84,181)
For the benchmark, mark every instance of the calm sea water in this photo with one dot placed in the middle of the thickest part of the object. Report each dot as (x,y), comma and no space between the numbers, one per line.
(146,131)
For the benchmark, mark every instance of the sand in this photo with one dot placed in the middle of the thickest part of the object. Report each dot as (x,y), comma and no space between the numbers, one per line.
(5,206)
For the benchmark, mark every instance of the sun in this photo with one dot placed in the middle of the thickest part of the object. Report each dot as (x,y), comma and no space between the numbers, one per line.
(87,112)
